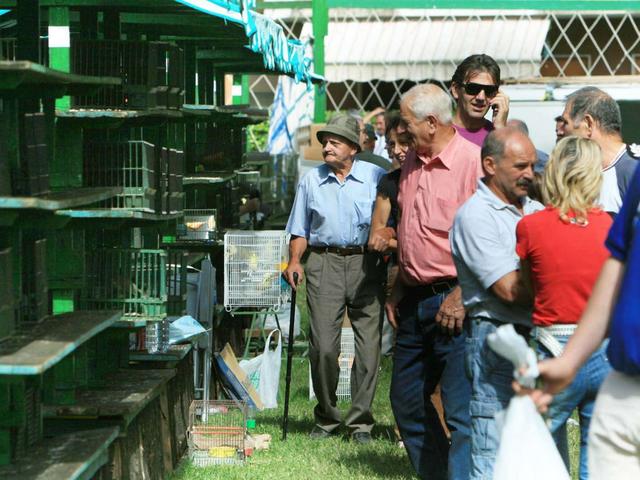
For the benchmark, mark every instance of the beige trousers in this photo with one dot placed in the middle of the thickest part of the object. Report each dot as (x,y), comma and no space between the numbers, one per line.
(614,434)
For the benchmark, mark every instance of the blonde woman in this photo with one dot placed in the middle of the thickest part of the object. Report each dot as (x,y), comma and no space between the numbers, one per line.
(562,251)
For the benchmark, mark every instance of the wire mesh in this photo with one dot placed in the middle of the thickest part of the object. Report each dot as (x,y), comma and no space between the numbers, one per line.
(345,361)
(145,284)
(129,165)
(217,432)
(198,225)
(253,265)
(152,73)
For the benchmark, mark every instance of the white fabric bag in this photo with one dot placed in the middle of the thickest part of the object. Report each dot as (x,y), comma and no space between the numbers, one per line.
(527,450)
(264,372)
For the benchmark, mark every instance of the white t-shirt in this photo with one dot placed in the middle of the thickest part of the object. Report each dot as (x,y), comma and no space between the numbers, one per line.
(380,148)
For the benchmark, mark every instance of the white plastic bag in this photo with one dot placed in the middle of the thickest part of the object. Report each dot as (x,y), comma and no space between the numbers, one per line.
(264,372)
(284,316)
(527,450)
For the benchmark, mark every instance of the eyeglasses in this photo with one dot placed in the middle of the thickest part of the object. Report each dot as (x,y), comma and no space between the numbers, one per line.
(475,88)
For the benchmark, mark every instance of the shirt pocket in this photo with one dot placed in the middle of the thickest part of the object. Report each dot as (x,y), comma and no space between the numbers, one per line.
(439,213)
(361,223)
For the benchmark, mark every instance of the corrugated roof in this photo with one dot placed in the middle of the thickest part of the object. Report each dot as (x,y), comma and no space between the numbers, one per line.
(430,48)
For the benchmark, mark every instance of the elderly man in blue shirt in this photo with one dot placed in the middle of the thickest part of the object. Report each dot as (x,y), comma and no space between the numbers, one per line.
(331,218)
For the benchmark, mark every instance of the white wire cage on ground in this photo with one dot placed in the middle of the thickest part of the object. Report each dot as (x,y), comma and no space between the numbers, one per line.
(345,360)
(216,432)
(253,266)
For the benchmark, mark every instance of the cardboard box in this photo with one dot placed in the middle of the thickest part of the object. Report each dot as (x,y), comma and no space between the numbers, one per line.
(235,379)
(312,153)
(313,131)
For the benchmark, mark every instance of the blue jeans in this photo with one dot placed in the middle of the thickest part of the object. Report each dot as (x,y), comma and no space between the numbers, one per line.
(581,394)
(423,357)
(491,388)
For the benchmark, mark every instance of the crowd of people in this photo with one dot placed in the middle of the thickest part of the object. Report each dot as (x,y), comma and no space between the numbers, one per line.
(465,227)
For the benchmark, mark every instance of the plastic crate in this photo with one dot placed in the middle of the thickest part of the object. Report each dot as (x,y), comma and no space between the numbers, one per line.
(253,266)
(199,225)
(7,308)
(147,70)
(34,304)
(21,411)
(145,284)
(216,432)
(345,360)
(129,165)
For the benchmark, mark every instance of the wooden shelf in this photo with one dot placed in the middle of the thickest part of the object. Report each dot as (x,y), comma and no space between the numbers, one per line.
(116,214)
(72,456)
(60,200)
(43,81)
(208,178)
(174,354)
(108,118)
(45,344)
(126,393)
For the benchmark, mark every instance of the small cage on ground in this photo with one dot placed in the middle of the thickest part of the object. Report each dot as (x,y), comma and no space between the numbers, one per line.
(345,360)
(253,266)
(216,433)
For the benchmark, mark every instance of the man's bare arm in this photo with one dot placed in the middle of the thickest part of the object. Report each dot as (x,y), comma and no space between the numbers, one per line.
(511,289)
(297,247)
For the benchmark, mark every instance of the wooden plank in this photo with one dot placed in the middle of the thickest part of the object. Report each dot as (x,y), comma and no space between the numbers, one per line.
(126,393)
(14,74)
(111,213)
(73,456)
(44,345)
(59,200)
(175,353)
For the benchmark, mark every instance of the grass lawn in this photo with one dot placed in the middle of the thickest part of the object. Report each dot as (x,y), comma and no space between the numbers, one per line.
(302,458)
(337,458)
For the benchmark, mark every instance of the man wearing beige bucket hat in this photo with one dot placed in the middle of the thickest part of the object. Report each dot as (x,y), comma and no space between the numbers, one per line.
(331,218)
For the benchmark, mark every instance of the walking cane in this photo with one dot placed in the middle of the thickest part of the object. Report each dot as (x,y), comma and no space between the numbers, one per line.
(287,388)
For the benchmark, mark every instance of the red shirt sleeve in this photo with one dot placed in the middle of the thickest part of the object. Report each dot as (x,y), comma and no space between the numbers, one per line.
(522,239)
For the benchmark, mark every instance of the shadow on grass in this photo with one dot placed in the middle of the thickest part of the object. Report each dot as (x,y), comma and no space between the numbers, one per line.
(369,462)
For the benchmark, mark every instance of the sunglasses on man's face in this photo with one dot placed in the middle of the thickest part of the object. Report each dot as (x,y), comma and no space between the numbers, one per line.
(474,89)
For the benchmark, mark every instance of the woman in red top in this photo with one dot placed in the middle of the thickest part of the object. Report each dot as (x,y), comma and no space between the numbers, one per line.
(562,250)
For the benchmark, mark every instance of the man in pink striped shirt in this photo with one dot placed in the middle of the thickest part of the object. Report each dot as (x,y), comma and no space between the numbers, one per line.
(425,305)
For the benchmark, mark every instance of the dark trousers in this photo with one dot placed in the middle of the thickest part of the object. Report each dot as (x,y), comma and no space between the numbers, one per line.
(423,357)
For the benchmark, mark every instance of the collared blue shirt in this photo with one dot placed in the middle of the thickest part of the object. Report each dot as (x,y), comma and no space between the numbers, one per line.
(328,212)
(483,243)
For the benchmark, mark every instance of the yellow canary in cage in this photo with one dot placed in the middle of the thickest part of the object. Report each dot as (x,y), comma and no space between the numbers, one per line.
(253,261)
(283,266)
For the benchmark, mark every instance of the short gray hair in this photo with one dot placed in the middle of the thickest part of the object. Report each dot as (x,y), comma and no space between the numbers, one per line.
(428,99)
(598,104)
(493,146)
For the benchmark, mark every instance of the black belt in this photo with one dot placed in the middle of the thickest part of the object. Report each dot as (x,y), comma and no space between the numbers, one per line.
(432,289)
(344,251)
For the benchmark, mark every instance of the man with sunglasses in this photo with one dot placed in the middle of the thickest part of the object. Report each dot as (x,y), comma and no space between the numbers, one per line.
(475,88)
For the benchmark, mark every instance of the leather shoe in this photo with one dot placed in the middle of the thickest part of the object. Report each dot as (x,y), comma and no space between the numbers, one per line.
(318,433)
(361,437)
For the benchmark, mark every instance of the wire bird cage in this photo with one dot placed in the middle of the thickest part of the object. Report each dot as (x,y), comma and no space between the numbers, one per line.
(253,266)
(199,225)
(345,360)
(217,432)
(123,164)
(145,284)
